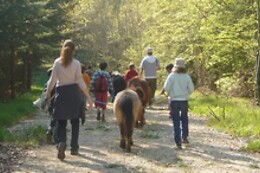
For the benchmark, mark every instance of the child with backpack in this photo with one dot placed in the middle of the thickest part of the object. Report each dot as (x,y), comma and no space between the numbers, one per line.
(100,84)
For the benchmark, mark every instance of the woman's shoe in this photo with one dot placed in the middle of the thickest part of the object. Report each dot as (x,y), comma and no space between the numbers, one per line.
(61,151)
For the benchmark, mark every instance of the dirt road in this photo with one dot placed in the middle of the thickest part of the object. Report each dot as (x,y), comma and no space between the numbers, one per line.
(154,150)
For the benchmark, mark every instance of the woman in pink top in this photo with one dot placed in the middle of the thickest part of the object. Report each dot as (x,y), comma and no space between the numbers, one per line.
(70,87)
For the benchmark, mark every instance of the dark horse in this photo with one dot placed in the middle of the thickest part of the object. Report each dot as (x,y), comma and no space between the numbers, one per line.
(119,83)
(127,107)
(140,85)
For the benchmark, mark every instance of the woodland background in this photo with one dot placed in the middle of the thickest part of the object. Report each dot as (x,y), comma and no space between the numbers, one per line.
(218,38)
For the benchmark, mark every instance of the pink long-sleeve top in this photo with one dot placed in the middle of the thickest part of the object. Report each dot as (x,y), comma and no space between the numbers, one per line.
(66,75)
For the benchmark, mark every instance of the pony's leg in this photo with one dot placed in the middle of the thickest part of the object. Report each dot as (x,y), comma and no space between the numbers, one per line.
(122,131)
(128,145)
(136,124)
(131,141)
(142,121)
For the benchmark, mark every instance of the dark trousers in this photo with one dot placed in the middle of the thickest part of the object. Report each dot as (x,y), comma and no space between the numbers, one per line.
(62,135)
(153,85)
(179,113)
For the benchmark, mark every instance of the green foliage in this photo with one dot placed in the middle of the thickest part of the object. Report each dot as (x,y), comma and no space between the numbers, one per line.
(218,38)
(30,32)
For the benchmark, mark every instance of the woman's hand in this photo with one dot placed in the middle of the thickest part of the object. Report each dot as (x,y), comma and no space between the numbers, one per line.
(90,103)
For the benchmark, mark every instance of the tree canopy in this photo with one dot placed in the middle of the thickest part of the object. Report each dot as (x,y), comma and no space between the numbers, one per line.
(218,38)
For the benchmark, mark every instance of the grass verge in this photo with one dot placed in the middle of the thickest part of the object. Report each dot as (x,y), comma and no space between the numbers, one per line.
(22,107)
(236,116)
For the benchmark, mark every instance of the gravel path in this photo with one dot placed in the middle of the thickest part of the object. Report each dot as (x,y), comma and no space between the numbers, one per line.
(154,150)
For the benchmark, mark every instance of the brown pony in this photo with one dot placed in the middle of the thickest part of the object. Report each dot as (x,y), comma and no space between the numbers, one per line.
(127,107)
(140,85)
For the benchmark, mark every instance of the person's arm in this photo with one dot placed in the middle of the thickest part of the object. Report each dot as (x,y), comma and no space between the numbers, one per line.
(158,67)
(51,82)
(86,93)
(141,66)
(92,81)
(190,85)
(167,84)
(110,85)
(82,85)
(141,72)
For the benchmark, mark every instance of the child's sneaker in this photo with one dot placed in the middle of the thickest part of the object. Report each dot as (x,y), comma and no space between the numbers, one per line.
(103,118)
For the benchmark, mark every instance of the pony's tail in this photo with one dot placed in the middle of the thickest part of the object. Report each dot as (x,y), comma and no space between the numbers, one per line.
(127,112)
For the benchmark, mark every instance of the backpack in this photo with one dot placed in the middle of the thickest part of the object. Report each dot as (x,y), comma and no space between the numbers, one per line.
(101,84)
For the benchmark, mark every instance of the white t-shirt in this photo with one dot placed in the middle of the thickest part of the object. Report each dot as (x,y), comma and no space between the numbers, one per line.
(150,64)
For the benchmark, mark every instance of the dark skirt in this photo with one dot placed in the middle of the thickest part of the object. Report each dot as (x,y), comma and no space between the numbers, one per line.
(67,102)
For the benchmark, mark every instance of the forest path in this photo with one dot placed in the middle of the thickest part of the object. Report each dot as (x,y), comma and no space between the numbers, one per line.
(154,150)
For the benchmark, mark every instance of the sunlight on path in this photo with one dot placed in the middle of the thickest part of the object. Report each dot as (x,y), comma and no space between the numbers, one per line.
(153,151)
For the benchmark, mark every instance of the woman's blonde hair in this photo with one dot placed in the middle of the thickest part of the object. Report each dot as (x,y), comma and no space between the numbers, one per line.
(66,53)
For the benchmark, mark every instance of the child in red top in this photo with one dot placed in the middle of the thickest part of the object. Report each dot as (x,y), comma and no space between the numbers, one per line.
(130,73)
(168,68)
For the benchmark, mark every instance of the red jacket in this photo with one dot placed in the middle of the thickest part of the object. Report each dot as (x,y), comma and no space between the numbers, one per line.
(130,74)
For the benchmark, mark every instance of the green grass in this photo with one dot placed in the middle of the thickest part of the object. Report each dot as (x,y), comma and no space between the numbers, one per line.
(22,107)
(253,146)
(103,127)
(27,137)
(150,134)
(237,116)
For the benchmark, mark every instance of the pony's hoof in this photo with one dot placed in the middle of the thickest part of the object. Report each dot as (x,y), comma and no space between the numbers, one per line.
(122,145)
(128,149)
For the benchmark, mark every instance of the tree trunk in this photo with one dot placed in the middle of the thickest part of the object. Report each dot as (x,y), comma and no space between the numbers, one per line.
(29,72)
(258,58)
(258,78)
(12,71)
(24,72)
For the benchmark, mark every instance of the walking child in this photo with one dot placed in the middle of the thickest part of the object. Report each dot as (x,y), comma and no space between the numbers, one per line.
(100,84)
(130,73)
(168,68)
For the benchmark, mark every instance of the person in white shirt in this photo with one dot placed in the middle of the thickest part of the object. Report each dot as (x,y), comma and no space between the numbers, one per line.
(179,86)
(66,74)
(149,66)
